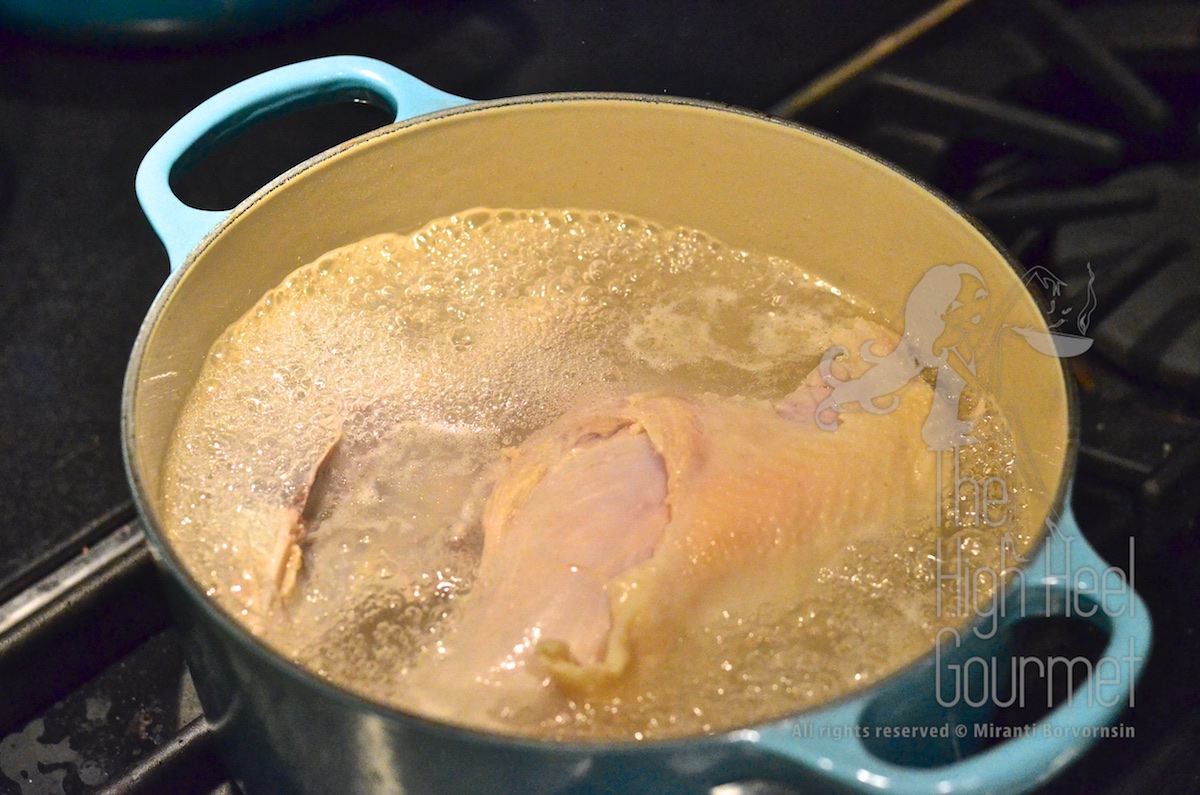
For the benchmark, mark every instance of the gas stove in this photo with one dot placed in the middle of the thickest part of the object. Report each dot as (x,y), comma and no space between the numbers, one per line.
(1068,128)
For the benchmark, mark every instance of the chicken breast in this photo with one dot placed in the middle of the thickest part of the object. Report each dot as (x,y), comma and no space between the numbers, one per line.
(622,523)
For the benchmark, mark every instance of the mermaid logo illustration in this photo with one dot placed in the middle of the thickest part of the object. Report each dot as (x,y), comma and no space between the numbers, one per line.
(945,324)
(948,317)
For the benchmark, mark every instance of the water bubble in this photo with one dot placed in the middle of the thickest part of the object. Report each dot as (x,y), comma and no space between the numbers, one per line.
(487,327)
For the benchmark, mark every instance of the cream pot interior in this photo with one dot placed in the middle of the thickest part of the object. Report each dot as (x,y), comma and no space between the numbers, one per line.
(754,183)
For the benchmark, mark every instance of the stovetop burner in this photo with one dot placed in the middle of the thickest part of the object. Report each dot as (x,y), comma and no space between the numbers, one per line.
(1069,129)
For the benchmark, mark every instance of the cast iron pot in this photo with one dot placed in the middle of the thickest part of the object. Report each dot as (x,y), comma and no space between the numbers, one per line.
(750,181)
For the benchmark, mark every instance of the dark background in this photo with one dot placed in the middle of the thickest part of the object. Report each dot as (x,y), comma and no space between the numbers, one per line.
(79,265)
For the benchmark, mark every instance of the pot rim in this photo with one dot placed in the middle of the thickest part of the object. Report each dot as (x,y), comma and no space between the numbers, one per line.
(169,559)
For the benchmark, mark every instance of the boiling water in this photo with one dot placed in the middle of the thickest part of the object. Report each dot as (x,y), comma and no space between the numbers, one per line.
(421,356)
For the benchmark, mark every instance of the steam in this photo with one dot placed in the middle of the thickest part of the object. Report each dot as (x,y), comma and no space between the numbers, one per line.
(1085,314)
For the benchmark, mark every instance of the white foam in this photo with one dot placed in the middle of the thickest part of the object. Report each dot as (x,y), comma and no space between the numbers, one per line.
(428,353)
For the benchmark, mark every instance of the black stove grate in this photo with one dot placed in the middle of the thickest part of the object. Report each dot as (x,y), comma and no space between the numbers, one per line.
(1024,114)
(1068,128)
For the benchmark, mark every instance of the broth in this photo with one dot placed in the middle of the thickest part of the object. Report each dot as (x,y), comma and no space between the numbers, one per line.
(363,404)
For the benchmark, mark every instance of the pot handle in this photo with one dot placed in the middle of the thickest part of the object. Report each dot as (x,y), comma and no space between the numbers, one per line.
(1067,579)
(182,227)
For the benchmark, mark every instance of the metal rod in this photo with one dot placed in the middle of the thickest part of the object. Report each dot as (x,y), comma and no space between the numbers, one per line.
(1054,207)
(1090,60)
(60,581)
(826,84)
(188,757)
(72,637)
(1004,123)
